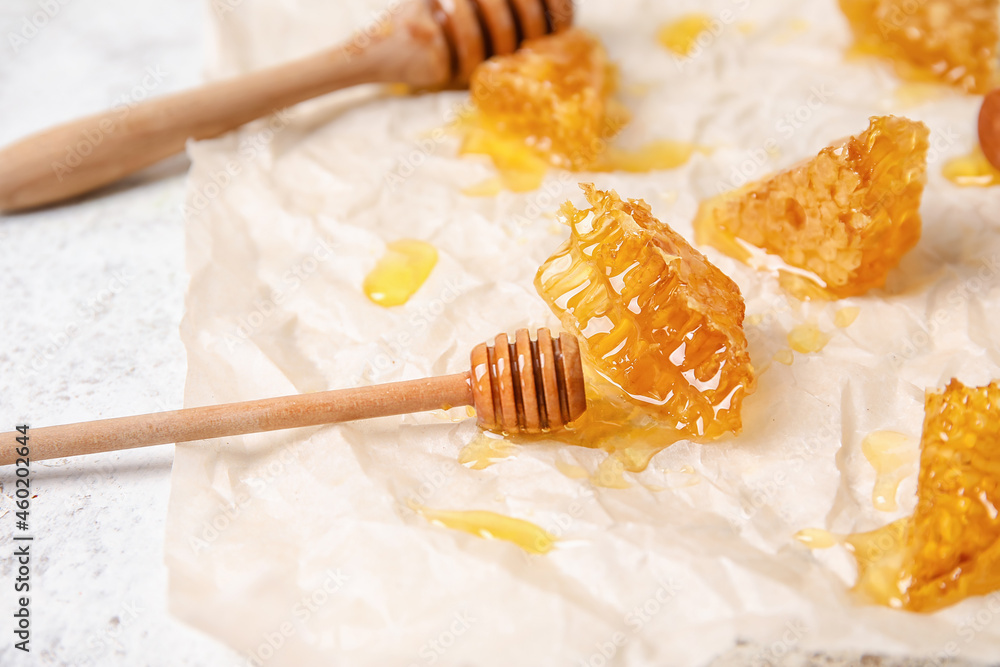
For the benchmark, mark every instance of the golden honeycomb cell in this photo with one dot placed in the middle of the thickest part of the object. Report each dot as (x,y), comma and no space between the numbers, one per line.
(552,97)
(954,41)
(949,548)
(656,319)
(842,220)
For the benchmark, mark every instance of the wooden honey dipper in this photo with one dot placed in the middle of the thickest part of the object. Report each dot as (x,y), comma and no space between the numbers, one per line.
(426,44)
(521,387)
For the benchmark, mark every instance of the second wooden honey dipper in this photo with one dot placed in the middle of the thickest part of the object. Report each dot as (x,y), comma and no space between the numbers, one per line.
(523,386)
(426,44)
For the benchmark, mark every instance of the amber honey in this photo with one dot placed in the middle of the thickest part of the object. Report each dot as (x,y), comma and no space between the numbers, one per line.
(951,41)
(949,548)
(400,272)
(492,526)
(657,321)
(680,36)
(552,104)
(972,170)
(840,221)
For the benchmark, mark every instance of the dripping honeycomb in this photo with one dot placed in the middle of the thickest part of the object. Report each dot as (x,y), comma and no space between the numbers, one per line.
(950,547)
(954,41)
(552,96)
(844,218)
(656,319)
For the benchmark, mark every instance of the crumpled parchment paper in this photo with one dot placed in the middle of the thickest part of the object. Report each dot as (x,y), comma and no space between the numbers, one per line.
(298,547)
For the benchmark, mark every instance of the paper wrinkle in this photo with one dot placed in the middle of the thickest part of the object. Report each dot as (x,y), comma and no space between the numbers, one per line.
(277,256)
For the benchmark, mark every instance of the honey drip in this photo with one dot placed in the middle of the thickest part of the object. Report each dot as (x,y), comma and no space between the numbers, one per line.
(784,357)
(485,450)
(806,338)
(950,41)
(572,470)
(840,221)
(845,317)
(400,272)
(949,548)
(492,526)
(972,170)
(891,454)
(681,35)
(817,538)
(551,104)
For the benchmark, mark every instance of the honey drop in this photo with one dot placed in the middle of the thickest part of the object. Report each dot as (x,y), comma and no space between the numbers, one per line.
(890,454)
(817,538)
(681,35)
(972,170)
(807,338)
(400,272)
(845,317)
(485,450)
(492,526)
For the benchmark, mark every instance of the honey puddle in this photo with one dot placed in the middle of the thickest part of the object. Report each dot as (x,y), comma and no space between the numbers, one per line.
(519,169)
(492,526)
(485,450)
(806,338)
(817,538)
(914,93)
(572,470)
(891,454)
(784,356)
(400,272)
(845,317)
(879,555)
(681,35)
(972,170)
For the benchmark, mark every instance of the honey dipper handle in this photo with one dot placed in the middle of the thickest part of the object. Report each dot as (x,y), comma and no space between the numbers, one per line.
(83,155)
(269,414)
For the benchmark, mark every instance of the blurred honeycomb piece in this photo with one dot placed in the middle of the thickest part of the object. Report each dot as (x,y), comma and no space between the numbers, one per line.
(951,41)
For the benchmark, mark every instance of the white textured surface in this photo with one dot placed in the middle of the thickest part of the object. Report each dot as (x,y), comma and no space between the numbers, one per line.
(265,517)
(99,521)
(91,294)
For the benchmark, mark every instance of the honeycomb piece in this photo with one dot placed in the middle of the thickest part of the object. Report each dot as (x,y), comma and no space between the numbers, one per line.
(949,548)
(844,218)
(551,97)
(954,41)
(656,319)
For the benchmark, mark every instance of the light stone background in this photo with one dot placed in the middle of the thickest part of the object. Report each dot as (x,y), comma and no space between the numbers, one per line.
(91,297)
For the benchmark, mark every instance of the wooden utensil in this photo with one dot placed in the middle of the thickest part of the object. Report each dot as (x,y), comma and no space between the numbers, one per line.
(425,44)
(523,386)
(989,127)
